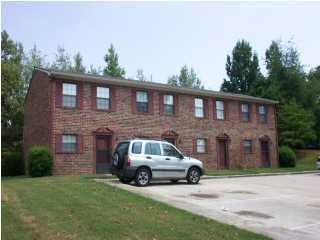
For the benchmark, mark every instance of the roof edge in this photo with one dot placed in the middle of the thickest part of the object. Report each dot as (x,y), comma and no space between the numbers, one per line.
(152,85)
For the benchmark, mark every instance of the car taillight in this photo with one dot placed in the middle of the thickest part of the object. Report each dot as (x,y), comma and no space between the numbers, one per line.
(129,162)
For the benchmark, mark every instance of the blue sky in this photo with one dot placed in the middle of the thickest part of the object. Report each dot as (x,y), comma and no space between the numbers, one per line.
(161,37)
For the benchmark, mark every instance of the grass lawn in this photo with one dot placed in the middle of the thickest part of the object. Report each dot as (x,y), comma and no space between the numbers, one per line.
(80,208)
(305,163)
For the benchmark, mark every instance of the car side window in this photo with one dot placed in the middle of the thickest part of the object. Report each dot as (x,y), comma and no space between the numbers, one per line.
(169,150)
(152,149)
(136,147)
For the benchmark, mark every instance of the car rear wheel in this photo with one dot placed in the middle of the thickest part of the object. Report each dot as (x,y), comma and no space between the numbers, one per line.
(143,177)
(193,176)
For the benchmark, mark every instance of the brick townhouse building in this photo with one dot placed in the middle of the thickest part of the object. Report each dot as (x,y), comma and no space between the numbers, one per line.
(82,117)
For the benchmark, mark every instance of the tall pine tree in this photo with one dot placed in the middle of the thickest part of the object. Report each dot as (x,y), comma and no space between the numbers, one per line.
(113,68)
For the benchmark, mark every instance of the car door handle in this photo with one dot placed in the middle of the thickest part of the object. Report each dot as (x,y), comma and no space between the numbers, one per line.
(148,157)
(167,158)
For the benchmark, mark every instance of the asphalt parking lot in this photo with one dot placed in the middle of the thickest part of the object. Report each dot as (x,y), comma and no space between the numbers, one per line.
(282,207)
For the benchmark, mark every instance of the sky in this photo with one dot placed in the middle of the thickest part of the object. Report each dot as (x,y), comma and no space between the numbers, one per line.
(160,37)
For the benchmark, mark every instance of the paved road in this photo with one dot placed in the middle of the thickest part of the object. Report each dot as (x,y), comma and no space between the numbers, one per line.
(282,207)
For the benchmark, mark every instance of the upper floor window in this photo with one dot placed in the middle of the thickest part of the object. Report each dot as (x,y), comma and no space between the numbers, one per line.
(199,107)
(69,95)
(220,110)
(152,149)
(247,146)
(201,145)
(168,104)
(142,101)
(103,98)
(69,143)
(245,112)
(262,113)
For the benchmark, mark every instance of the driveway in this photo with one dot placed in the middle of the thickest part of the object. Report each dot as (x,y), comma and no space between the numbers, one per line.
(282,207)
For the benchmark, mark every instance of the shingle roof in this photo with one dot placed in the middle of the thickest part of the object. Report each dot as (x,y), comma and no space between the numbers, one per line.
(151,85)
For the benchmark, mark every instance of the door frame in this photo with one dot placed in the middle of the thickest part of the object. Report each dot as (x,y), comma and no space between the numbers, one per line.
(100,132)
(172,135)
(266,139)
(224,138)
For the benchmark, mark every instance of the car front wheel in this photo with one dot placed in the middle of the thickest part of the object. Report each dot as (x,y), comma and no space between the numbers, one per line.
(143,177)
(193,176)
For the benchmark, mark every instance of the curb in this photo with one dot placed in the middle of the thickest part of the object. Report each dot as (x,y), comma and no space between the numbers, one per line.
(259,174)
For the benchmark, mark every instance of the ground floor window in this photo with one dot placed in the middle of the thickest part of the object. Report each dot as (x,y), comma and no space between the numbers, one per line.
(201,145)
(69,143)
(247,146)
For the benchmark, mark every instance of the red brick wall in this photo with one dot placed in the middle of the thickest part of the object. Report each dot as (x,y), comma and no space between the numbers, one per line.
(125,124)
(37,113)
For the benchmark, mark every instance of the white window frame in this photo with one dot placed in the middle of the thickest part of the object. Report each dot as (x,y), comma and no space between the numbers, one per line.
(103,94)
(220,110)
(201,145)
(199,107)
(69,90)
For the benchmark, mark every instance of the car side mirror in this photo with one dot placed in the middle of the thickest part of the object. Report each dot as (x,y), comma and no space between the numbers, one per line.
(181,156)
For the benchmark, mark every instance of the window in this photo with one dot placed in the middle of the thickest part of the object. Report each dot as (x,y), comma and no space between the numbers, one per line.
(69,95)
(136,147)
(245,112)
(152,149)
(199,109)
(69,143)
(263,114)
(168,105)
(220,110)
(247,146)
(201,145)
(142,101)
(103,98)
(169,150)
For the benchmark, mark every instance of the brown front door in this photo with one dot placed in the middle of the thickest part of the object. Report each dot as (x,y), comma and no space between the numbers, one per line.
(265,154)
(223,161)
(103,153)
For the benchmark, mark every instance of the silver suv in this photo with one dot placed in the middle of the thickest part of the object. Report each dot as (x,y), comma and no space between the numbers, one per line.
(144,159)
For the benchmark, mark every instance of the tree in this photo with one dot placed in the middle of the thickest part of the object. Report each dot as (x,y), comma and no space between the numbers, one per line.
(33,59)
(242,69)
(95,71)
(285,71)
(12,93)
(186,78)
(312,98)
(140,75)
(62,60)
(78,65)
(113,68)
(295,125)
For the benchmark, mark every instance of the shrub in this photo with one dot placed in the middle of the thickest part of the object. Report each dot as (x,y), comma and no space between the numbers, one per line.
(12,162)
(40,161)
(287,157)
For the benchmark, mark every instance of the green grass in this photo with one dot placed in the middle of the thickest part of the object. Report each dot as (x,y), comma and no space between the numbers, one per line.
(305,163)
(80,208)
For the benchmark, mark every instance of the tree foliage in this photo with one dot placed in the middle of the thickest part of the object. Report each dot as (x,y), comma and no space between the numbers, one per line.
(62,60)
(78,64)
(113,68)
(12,91)
(140,75)
(242,69)
(186,78)
(285,81)
(296,125)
